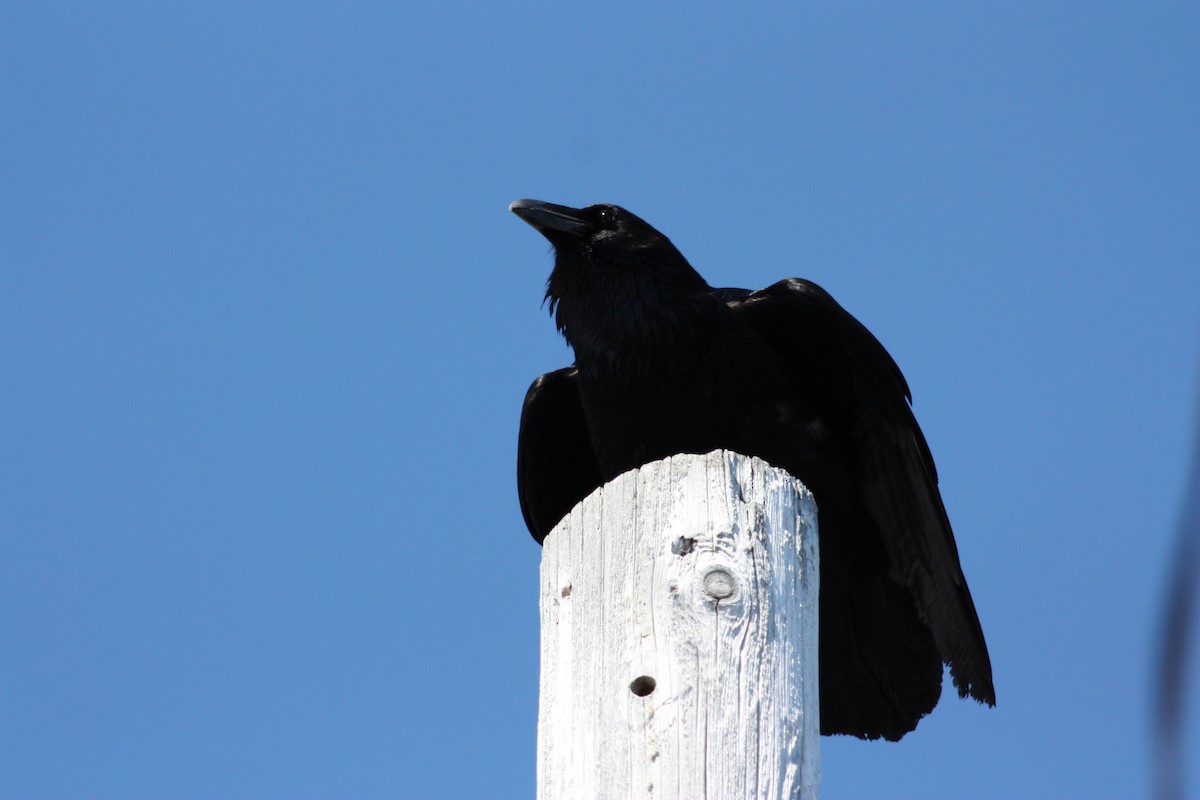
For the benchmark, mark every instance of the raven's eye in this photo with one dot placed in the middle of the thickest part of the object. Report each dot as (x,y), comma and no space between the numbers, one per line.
(607,216)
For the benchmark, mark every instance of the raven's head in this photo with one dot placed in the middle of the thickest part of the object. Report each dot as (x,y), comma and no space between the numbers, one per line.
(614,275)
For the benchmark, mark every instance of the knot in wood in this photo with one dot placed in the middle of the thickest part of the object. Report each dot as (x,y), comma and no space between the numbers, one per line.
(719,583)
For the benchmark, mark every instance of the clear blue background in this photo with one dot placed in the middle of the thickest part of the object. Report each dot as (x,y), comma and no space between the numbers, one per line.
(265,328)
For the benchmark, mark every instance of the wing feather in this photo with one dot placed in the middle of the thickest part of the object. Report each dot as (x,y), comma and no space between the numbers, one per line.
(892,464)
(556,467)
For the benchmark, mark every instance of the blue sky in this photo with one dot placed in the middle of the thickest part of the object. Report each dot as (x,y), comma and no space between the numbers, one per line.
(265,327)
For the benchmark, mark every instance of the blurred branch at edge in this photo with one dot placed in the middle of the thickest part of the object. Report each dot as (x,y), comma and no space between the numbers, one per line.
(1171,700)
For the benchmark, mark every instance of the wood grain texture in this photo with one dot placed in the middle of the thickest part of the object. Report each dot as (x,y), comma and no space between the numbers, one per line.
(679,637)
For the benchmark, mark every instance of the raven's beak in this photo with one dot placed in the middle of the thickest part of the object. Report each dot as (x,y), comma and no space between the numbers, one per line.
(549,218)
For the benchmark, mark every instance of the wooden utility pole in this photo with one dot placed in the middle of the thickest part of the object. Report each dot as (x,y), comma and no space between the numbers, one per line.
(679,637)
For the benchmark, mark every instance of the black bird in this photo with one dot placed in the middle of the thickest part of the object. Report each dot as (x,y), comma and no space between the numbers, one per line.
(666,364)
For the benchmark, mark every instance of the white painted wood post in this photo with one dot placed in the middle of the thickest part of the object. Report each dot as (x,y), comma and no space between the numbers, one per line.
(679,637)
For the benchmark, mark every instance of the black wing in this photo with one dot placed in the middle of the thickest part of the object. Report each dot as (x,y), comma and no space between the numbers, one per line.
(555,464)
(893,469)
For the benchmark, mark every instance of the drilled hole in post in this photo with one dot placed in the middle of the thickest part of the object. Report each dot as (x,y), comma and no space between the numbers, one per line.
(642,686)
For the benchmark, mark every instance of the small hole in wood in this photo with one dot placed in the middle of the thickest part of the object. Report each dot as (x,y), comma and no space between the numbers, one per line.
(642,686)
(683,545)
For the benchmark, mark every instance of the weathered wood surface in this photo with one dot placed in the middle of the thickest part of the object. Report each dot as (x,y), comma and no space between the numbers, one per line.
(679,637)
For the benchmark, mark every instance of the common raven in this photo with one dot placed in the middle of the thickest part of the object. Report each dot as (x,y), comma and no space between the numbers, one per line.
(666,364)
